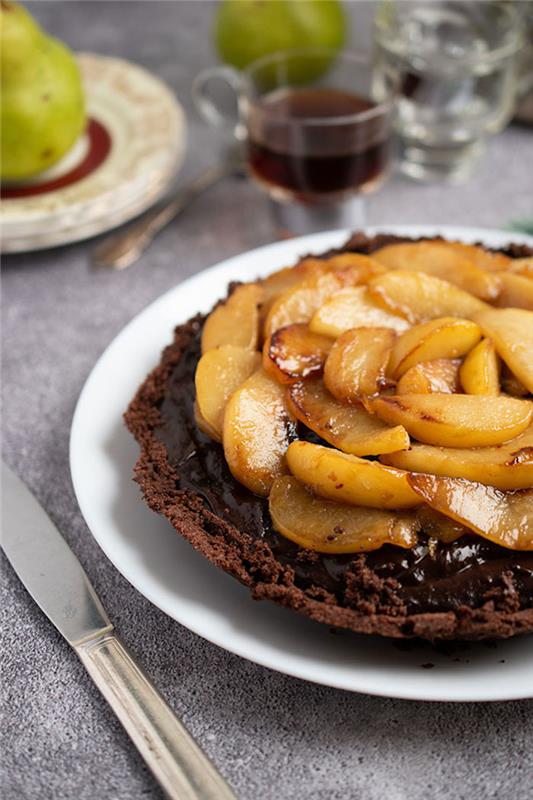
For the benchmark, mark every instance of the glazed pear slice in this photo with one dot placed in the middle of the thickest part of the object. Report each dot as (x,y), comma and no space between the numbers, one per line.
(256,433)
(516,291)
(455,420)
(204,425)
(350,428)
(328,527)
(522,266)
(441,261)
(353,308)
(511,330)
(506,466)
(355,367)
(505,518)
(419,297)
(480,257)
(236,321)
(427,377)
(295,352)
(480,371)
(348,479)
(440,527)
(300,303)
(446,337)
(219,373)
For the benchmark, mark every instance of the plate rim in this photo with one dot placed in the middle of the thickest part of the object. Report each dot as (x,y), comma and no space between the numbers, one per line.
(112,207)
(328,239)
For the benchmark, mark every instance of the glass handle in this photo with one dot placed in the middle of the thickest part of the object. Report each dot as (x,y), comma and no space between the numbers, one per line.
(207,106)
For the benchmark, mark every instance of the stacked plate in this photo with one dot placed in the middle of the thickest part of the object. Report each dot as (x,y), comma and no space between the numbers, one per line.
(133,145)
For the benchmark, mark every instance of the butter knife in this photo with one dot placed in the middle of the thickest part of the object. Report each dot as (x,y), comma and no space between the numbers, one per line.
(56,581)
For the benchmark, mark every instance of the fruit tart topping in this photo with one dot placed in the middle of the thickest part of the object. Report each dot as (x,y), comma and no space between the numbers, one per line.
(456,420)
(441,261)
(295,352)
(348,479)
(506,466)
(219,373)
(427,377)
(418,297)
(257,431)
(236,321)
(349,428)
(412,355)
(329,527)
(356,365)
(505,518)
(446,337)
(480,371)
(511,330)
(353,308)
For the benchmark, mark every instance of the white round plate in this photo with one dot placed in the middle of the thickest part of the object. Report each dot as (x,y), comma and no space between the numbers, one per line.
(132,148)
(165,568)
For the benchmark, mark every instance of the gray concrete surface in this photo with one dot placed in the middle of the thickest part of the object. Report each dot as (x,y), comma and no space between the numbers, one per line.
(271,735)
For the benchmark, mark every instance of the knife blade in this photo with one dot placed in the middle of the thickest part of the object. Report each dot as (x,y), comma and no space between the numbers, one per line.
(57,582)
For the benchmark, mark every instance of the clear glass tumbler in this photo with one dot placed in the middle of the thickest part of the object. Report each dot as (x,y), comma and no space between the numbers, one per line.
(457,69)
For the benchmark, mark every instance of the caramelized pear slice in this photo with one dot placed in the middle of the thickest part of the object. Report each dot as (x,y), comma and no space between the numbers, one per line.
(348,479)
(353,308)
(236,321)
(355,367)
(522,266)
(204,425)
(361,267)
(516,291)
(441,261)
(349,428)
(505,518)
(419,297)
(300,303)
(219,373)
(480,371)
(287,278)
(480,257)
(511,330)
(328,527)
(256,434)
(506,466)
(456,420)
(446,337)
(427,377)
(440,527)
(295,352)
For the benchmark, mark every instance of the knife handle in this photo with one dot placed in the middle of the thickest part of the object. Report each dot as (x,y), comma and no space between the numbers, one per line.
(181,768)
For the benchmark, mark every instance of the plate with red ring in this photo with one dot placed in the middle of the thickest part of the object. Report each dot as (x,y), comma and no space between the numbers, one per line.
(132,147)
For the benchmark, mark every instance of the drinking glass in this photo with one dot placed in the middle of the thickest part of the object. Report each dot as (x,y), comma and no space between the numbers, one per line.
(457,69)
(316,129)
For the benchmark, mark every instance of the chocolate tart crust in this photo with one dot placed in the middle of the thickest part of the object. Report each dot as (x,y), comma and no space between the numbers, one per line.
(371,604)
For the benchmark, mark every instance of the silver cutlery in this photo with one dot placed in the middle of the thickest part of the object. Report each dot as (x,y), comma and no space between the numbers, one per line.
(56,581)
(120,250)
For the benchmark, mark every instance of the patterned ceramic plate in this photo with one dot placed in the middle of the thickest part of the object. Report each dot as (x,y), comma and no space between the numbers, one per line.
(132,147)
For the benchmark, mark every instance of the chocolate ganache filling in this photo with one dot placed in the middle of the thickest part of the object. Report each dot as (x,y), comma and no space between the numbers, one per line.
(444,577)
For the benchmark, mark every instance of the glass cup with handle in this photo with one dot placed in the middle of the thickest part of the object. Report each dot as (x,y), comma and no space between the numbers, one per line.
(457,69)
(316,129)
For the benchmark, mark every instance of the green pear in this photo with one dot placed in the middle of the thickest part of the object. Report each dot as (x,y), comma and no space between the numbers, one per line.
(42,104)
(246,30)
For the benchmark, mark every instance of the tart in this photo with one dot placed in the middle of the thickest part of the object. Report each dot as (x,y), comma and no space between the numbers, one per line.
(352,438)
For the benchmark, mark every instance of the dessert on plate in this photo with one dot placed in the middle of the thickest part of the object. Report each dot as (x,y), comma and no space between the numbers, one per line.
(352,437)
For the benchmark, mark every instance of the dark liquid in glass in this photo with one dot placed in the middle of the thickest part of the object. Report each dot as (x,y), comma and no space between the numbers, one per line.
(287,150)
